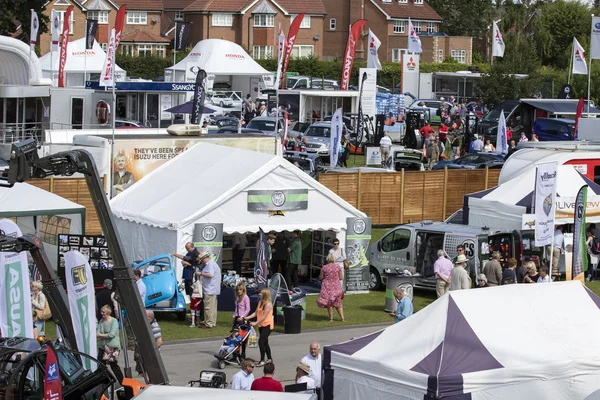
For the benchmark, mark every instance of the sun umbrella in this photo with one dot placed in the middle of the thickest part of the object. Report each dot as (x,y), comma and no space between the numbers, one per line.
(186,108)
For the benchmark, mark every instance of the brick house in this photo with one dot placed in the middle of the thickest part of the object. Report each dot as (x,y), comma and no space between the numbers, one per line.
(142,33)
(388,19)
(254,24)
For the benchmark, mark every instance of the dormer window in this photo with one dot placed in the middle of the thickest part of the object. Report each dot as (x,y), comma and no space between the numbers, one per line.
(402,1)
(419,2)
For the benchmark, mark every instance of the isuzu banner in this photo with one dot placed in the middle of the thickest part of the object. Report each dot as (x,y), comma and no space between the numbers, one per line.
(16,317)
(358,237)
(209,238)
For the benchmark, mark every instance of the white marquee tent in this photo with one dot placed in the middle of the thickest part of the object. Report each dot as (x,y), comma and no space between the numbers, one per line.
(501,343)
(79,61)
(210,183)
(19,66)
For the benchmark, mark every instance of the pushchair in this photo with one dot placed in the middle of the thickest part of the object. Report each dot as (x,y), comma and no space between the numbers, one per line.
(234,355)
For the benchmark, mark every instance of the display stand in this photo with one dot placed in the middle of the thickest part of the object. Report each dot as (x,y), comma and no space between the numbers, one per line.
(322,242)
(249,255)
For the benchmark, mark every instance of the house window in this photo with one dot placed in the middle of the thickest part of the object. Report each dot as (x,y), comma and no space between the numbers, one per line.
(179,15)
(264,20)
(104,46)
(61,17)
(100,16)
(126,49)
(418,1)
(261,52)
(459,55)
(402,1)
(144,50)
(332,24)
(305,21)
(430,27)
(441,56)
(51,226)
(137,18)
(399,26)
(397,54)
(303,51)
(160,50)
(417,26)
(222,19)
(386,1)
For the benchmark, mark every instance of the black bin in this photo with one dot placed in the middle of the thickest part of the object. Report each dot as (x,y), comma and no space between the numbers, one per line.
(293,319)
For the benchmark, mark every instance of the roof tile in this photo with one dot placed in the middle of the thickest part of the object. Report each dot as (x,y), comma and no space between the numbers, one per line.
(145,5)
(235,6)
(141,36)
(304,6)
(408,10)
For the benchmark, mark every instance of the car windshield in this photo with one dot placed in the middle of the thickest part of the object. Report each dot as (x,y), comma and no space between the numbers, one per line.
(301,127)
(304,165)
(291,82)
(262,125)
(158,265)
(494,114)
(318,131)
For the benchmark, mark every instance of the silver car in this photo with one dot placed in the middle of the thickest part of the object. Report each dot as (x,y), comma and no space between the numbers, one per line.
(266,125)
(319,138)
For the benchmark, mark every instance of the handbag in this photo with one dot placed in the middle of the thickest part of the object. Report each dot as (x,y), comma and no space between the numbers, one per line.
(111,354)
(44,314)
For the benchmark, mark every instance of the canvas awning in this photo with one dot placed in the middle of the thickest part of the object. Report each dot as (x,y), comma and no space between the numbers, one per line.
(560,107)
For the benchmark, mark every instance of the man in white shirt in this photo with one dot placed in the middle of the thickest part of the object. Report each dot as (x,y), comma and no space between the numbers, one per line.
(244,378)
(558,247)
(211,288)
(302,371)
(386,145)
(140,284)
(313,360)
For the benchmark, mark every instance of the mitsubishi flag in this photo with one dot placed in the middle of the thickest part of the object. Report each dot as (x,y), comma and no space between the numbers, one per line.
(373,58)
(414,41)
(35,25)
(107,75)
(497,43)
(55,30)
(579,63)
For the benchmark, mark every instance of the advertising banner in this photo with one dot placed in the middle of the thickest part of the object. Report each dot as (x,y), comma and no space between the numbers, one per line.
(107,75)
(291,39)
(373,57)
(353,39)
(63,47)
(209,238)
(261,266)
(33,32)
(90,33)
(595,40)
(15,296)
(199,97)
(358,238)
(545,193)
(414,41)
(82,303)
(336,137)
(52,385)
(368,86)
(580,247)
(55,30)
(498,44)
(278,200)
(182,34)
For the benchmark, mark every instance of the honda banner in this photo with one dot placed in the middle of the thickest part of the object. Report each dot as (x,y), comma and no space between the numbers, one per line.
(337,126)
(55,30)
(90,33)
(107,75)
(52,385)
(63,48)
(182,35)
(353,38)
(119,22)
(33,32)
(358,237)
(280,55)
(199,97)
(208,237)
(290,44)
(545,192)
(15,297)
(82,303)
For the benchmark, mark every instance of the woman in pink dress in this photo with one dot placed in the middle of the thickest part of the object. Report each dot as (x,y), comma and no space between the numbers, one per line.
(331,288)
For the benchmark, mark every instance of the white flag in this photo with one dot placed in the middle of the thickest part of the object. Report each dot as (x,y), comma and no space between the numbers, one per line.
(501,145)
(35,25)
(579,63)
(16,316)
(280,56)
(106,78)
(373,58)
(545,194)
(55,30)
(497,43)
(82,302)
(414,41)
(337,127)
(595,40)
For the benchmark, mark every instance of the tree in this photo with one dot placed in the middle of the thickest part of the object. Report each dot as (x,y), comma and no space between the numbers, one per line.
(464,18)
(18,12)
(498,85)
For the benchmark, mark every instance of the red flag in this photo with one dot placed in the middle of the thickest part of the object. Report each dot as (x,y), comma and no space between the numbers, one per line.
(579,112)
(291,39)
(350,50)
(52,386)
(63,48)
(119,22)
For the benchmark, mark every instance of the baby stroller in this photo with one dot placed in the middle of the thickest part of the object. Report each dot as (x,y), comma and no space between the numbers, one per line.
(233,355)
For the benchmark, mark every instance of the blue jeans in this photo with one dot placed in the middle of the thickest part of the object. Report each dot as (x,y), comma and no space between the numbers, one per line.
(39,325)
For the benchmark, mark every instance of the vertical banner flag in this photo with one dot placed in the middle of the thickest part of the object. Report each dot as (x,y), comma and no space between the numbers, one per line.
(106,77)
(414,41)
(119,22)
(501,145)
(337,122)
(291,39)
(91,26)
(353,38)
(63,47)
(55,30)
(261,265)
(361,118)
(52,385)
(281,50)
(199,96)
(545,193)
(15,296)
(358,236)
(82,302)
(209,238)
(33,32)
(373,57)
(595,40)
(497,42)
(580,248)
(580,105)
(182,35)
(579,63)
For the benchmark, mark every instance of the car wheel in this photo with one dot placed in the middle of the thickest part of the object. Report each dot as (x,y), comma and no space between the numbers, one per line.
(181,315)
(374,279)
(221,104)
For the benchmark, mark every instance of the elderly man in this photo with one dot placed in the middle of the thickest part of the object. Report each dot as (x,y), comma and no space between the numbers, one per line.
(492,270)
(442,269)
(459,277)
(405,306)
(244,378)
(302,376)
(313,360)
(190,262)
(211,288)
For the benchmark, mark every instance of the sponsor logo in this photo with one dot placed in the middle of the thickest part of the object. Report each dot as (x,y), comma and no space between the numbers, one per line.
(83,53)
(78,275)
(348,62)
(597,25)
(15,300)
(359,226)
(278,198)
(195,54)
(53,372)
(546,176)
(469,246)
(411,63)
(580,212)
(209,233)
(547,204)
(235,56)
(35,23)
(183,88)
(56,22)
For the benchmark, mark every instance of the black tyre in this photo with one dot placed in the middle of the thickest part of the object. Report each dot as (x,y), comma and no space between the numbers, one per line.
(374,279)
(222,364)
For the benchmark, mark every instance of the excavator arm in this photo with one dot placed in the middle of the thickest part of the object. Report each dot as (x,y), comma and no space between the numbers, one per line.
(25,164)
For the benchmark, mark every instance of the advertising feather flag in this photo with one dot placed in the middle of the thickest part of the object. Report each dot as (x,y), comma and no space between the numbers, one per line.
(63,48)
(291,39)
(35,25)
(580,253)
(353,38)
(414,41)
(261,266)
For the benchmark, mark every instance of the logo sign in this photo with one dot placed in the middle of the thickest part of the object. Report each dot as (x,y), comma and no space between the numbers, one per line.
(79,277)
(208,237)
(470,247)
(359,226)
(102,112)
(277,200)
(15,298)
(358,237)
(53,372)
(548,204)
(209,232)
(408,290)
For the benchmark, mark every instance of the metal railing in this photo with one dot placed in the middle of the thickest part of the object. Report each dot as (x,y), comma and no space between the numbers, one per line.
(14,132)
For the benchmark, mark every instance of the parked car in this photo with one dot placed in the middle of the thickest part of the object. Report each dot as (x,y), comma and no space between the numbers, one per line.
(408,159)
(309,163)
(554,129)
(234,129)
(221,122)
(319,137)
(488,126)
(432,106)
(472,161)
(306,82)
(266,125)
(126,123)
(221,100)
(298,129)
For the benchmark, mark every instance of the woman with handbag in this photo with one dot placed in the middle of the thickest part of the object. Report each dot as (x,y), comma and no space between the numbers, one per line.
(39,304)
(109,344)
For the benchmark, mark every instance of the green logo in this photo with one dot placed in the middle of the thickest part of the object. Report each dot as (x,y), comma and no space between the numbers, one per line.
(84,325)
(15,301)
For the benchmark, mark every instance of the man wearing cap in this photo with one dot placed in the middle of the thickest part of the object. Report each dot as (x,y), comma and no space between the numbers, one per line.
(313,360)
(106,297)
(459,277)
(302,372)
(211,288)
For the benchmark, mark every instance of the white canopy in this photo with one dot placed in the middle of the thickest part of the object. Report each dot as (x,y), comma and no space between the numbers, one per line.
(19,66)
(210,183)
(501,343)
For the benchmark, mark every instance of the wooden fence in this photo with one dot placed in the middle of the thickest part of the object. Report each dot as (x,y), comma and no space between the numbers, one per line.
(409,196)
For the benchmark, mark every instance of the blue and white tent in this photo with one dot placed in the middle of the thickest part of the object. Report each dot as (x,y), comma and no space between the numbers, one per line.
(508,342)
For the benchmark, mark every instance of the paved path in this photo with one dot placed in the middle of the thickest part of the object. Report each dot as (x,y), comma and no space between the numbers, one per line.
(185,359)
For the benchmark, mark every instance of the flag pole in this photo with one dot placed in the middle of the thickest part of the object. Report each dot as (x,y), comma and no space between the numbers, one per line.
(175,50)
(52,50)
(492,48)
(589,73)
(571,62)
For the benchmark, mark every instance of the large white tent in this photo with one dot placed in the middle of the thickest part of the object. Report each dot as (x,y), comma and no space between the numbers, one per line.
(79,62)
(210,183)
(504,343)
